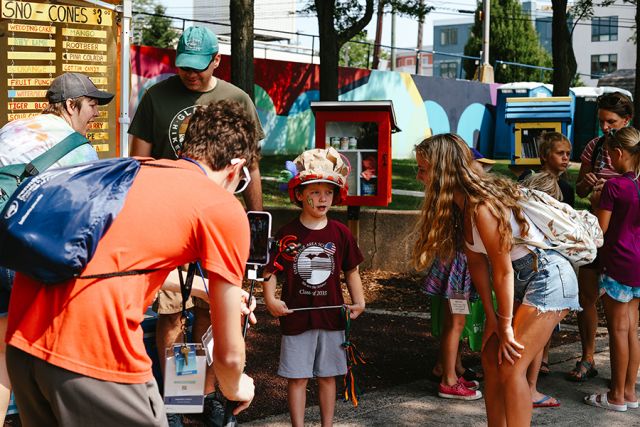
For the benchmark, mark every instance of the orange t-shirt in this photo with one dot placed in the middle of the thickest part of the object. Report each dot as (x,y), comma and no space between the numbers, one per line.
(172,216)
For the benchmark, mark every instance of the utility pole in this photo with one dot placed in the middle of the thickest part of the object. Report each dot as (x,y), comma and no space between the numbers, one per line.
(393,39)
(486,70)
(376,46)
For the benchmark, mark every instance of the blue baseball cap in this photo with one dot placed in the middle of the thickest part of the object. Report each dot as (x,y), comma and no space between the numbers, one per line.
(196,48)
(477,155)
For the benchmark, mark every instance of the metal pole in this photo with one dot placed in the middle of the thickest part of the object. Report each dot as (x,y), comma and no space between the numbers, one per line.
(125,77)
(486,70)
(393,39)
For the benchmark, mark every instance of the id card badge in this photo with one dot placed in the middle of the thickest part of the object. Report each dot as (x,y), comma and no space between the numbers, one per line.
(185,368)
(207,342)
(459,304)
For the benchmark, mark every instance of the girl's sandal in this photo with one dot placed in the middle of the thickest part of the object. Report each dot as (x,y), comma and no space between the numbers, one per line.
(601,401)
(582,372)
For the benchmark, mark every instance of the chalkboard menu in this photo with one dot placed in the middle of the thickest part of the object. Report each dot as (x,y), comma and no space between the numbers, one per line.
(41,40)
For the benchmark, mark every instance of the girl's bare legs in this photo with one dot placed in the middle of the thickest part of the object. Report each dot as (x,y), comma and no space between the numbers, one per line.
(327,398)
(5,385)
(452,329)
(619,326)
(493,390)
(297,397)
(634,353)
(531,329)
(588,317)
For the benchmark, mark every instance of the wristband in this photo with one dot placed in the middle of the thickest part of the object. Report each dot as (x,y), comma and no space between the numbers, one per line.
(503,317)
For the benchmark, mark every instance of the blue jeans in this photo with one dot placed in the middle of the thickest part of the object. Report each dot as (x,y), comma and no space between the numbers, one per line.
(546,280)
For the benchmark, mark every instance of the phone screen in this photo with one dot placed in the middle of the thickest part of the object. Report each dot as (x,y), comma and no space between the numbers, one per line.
(260,225)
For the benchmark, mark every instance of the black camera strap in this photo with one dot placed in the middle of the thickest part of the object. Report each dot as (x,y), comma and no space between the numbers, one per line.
(185,291)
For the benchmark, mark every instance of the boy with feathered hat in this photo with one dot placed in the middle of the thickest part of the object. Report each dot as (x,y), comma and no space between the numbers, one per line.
(313,250)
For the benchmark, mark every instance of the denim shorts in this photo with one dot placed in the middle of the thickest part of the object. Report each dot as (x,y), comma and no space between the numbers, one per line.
(618,291)
(550,286)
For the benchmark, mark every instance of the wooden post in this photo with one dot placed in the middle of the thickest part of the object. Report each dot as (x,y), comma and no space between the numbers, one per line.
(353,221)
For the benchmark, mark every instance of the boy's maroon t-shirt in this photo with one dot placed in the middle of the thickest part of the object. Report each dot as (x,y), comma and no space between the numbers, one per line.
(311,277)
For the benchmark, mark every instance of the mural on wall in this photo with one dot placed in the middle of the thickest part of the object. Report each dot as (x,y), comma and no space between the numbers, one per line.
(283,91)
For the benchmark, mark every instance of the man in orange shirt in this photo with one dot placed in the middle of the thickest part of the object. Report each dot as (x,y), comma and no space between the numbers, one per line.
(75,351)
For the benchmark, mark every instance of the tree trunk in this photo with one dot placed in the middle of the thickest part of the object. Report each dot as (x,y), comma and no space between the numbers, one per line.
(376,48)
(636,90)
(242,74)
(419,43)
(564,60)
(328,51)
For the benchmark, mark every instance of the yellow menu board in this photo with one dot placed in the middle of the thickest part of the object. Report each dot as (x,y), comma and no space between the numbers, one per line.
(40,40)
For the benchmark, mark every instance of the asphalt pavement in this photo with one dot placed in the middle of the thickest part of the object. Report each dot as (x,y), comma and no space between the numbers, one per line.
(417,404)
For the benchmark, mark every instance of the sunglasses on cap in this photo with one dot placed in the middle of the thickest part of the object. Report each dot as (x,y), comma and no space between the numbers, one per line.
(245,180)
(195,70)
(609,100)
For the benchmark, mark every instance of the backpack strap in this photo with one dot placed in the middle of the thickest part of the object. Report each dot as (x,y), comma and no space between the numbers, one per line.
(55,153)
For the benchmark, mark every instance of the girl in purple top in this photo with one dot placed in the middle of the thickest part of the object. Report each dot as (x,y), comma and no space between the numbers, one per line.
(619,216)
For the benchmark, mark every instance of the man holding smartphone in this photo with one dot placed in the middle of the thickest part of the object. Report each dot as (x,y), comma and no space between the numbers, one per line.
(75,351)
(158,130)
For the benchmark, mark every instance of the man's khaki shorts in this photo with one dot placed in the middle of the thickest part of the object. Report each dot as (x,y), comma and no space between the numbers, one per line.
(171,303)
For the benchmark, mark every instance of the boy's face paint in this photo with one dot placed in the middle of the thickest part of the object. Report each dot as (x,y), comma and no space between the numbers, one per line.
(316,198)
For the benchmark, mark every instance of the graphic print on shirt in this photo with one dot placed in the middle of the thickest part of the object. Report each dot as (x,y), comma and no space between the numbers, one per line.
(178,127)
(314,264)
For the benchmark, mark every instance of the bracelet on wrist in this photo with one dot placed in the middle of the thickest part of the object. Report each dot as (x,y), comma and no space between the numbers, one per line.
(500,316)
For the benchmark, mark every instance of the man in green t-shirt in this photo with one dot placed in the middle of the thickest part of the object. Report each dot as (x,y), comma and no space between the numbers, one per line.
(158,128)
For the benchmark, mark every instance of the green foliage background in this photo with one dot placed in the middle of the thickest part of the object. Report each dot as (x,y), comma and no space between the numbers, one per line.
(513,39)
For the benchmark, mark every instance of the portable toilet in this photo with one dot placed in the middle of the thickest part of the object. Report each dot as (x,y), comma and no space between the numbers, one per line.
(586,125)
(501,143)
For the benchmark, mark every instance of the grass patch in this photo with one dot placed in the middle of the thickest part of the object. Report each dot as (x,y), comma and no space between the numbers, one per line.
(403,178)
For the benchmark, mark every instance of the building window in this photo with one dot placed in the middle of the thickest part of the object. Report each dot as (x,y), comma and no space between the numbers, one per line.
(448,36)
(449,70)
(604,28)
(409,61)
(603,64)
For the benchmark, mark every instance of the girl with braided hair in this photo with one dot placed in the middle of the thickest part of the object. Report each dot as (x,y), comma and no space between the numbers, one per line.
(542,281)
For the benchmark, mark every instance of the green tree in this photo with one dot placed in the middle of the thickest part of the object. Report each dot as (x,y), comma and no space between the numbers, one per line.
(357,52)
(152,27)
(242,31)
(339,21)
(513,39)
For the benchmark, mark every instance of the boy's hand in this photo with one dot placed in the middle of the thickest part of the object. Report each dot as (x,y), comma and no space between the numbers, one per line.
(278,308)
(355,310)
(245,394)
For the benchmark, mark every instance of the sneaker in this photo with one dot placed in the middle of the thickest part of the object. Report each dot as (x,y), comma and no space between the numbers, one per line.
(174,420)
(458,391)
(213,412)
(471,385)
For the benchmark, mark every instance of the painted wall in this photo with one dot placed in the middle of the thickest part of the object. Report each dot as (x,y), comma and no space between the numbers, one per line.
(423,105)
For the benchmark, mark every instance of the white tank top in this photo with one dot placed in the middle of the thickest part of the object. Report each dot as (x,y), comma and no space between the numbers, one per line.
(517,251)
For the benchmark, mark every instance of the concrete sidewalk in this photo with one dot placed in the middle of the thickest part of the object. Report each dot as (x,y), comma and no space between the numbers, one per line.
(417,404)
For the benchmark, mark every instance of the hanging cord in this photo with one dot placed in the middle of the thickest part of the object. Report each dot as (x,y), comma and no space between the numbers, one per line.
(354,357)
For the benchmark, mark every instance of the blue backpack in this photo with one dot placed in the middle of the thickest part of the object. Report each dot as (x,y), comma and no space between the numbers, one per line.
(51,225)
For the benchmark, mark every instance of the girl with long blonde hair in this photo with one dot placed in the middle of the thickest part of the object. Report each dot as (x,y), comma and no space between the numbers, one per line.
(542,281)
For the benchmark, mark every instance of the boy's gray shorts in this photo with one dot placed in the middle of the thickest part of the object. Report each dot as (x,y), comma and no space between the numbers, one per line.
(314,353)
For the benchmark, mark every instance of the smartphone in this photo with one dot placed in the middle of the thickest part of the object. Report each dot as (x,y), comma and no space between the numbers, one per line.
(260,226)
